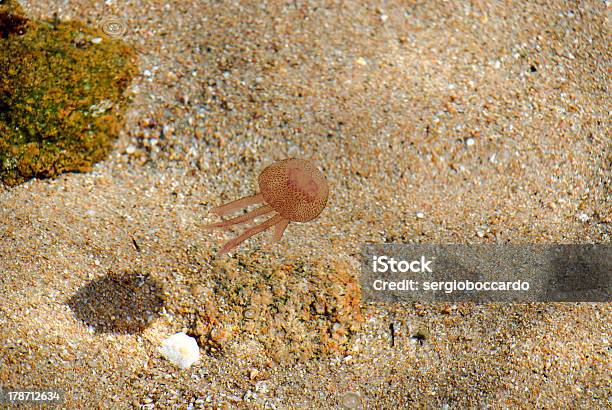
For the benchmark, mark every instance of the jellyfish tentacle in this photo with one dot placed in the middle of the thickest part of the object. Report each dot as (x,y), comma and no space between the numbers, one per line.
(279,229)
(262,210)
(250,232)
(238,204)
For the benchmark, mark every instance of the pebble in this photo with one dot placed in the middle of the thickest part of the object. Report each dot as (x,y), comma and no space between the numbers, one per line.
(171,77)
(470,141)
(420,215)
(262,387)
(249,396)
(583,217)
(350,400)
(130,149)
(249,313)
(253,374)
(96,40)
(180,349)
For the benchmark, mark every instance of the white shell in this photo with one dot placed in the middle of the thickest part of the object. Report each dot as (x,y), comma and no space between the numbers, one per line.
(180,349)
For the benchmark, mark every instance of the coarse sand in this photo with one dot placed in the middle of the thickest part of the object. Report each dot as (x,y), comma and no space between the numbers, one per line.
(433,122)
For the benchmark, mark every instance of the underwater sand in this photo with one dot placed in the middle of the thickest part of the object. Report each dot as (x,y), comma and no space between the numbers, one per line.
(489,118)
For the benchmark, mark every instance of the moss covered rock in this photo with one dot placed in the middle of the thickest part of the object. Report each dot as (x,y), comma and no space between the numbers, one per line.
(61,95)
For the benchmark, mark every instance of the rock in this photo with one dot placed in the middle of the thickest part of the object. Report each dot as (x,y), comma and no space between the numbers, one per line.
(262,387)
(253,374)
(46,127)
(583,217)
(180,349)
(350,400)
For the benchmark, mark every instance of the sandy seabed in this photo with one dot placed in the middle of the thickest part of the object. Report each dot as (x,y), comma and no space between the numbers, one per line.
(434,122)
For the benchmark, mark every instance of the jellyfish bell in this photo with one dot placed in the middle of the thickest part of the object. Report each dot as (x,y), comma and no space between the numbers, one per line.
(295,188)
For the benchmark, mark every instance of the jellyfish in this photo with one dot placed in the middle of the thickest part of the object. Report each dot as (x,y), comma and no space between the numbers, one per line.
(291,190)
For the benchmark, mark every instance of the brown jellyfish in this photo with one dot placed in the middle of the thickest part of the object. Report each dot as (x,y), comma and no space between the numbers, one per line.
(292,190)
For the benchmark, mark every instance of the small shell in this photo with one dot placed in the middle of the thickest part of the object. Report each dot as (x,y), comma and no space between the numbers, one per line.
(180,349)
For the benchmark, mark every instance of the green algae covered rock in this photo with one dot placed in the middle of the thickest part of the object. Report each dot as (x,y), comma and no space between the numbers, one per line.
(61,95)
